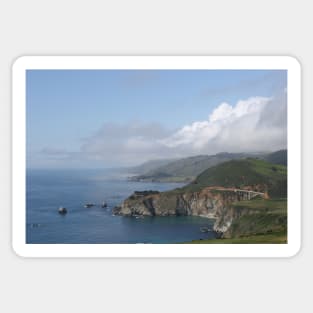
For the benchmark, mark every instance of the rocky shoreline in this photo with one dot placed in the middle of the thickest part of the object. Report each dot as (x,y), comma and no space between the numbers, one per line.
(209,203)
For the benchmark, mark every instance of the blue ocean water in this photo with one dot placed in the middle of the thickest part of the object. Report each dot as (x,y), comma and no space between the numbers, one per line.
(47,190)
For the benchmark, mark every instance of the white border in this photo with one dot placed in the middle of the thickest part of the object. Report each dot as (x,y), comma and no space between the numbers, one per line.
(156,250)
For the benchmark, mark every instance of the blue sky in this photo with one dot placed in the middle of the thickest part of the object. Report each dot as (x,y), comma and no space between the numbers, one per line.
(68,109)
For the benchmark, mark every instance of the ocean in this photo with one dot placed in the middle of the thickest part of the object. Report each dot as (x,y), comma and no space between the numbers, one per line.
(47,190)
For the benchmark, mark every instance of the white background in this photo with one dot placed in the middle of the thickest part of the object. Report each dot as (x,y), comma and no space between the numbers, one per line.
(160,27)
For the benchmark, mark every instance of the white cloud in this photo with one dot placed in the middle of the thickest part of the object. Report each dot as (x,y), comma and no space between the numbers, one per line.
(223,111)
(254,124)
(223,127)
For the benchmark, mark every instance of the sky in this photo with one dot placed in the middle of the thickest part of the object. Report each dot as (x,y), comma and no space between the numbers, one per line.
(117,118)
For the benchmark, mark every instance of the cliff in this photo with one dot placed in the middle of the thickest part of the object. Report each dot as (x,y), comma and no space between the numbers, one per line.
(235,216)
(235,194)
(209,202)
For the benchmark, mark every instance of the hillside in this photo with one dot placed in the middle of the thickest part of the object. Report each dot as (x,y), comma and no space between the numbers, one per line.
(257,174)
(278,157)
(258,221)
(186,169)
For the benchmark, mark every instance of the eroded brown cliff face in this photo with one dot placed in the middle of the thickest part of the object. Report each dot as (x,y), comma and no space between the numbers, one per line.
(208,203)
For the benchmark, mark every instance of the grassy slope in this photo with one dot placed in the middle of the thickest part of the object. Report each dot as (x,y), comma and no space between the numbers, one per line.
(187,169)
(272,205)
(267,223)
(274,238)
(240,173)
(264,217)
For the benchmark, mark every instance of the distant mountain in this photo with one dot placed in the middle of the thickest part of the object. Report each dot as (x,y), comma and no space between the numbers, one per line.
(278,157)
(149,166)
(186,169)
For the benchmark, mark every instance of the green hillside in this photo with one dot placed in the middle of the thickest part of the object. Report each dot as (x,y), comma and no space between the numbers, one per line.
(270,238)
(187,169)
(265,217)
(264,221)
(278,157)
(247,172)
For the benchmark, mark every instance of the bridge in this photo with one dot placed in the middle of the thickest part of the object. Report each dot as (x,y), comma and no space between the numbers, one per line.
(249,194)
(244,194)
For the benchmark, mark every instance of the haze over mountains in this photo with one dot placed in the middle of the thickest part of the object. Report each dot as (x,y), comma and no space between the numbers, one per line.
(186,169)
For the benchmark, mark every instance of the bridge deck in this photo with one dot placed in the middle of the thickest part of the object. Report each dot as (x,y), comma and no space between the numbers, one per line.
(250,193)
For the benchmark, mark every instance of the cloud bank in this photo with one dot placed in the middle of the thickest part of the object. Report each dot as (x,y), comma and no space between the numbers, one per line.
(254,124)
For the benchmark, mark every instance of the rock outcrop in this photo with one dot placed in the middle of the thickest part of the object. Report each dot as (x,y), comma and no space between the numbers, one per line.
(210,203)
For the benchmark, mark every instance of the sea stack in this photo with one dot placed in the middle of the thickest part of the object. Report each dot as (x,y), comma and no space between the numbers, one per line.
(62,210)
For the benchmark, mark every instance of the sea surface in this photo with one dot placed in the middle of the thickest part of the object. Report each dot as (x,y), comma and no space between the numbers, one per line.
(47,190)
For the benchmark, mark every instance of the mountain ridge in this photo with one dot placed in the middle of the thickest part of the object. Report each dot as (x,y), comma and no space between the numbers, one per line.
(186,169)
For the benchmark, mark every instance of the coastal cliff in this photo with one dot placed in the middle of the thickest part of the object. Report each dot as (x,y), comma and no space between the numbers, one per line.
(245,197)
(209,202)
